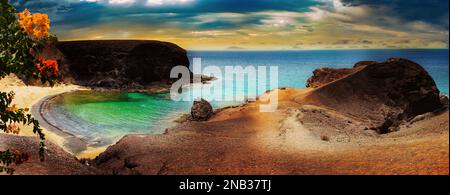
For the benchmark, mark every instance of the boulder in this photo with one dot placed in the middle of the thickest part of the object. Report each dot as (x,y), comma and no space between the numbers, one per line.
(381,94)
(444,100)
(201,110)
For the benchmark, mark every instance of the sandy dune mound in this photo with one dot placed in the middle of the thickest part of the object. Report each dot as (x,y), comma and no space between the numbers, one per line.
(379,94)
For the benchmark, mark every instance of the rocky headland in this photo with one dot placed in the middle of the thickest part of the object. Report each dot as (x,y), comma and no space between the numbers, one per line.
(127,65)
(122,64)
(380,94)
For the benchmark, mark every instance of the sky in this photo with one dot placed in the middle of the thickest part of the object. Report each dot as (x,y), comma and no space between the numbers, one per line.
(253,24)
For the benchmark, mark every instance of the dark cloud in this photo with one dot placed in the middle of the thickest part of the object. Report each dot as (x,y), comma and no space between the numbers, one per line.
(198,6)
(342,42)
(36,4)
(231,24)
(241,6)
(402,41)
(47,6)
(429,11)
(64,11)
(76,14)
(82,14)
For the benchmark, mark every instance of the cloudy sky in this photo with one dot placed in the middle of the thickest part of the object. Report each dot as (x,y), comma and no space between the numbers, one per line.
(253,24)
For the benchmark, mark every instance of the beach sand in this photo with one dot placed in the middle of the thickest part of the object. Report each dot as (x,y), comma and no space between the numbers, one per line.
(28,96)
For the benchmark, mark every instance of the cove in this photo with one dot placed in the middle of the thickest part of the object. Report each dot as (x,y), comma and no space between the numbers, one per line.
(102,118)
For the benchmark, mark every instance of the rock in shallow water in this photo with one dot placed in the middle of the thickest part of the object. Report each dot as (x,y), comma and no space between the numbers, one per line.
(201,110)
(444,100)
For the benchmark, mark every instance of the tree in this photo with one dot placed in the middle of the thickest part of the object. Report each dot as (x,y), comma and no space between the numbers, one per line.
(22,37)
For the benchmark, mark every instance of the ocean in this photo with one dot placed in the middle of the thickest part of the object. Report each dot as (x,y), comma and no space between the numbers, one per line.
(104,118)
(295,67)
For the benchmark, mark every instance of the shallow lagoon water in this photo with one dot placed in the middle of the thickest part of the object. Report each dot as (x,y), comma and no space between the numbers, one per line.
(102,118)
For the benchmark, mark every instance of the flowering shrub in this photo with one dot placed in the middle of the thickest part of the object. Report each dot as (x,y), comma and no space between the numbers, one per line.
(12,156)
(22,37)
(10,117)
(36,25)
(47,68)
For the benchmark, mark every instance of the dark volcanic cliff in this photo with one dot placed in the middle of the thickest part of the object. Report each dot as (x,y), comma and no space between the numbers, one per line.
(381,93)
(121,63)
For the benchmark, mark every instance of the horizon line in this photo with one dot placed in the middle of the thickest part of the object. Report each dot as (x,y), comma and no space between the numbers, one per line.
(263,49)
(320,49)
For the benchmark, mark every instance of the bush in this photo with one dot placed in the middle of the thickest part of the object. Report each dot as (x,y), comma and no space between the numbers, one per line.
(22,36)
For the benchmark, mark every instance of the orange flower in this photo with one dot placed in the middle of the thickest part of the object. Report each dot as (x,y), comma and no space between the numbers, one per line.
(41,25)
(26,21)
(36,25)
(12,108)
(48,67)
(13,128)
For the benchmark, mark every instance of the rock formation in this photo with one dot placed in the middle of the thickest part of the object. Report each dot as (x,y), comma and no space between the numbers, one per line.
(326,75)
(444,100)
(201,110)
(380,94)
(121,64)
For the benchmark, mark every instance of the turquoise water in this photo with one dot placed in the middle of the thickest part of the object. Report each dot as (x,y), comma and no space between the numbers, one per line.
(295,67)
(102,118)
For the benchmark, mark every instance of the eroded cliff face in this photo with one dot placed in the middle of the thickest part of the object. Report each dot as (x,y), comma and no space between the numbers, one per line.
(120,64)
(380,93)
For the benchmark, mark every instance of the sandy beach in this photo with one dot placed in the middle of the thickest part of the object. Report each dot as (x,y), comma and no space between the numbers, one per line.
(28,96)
